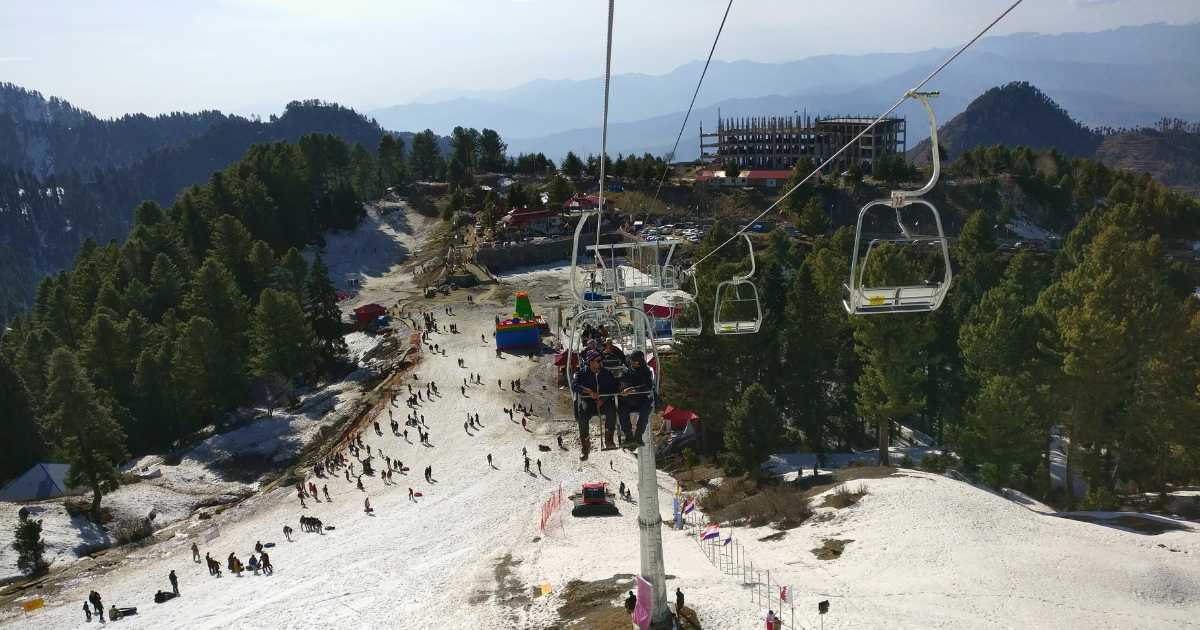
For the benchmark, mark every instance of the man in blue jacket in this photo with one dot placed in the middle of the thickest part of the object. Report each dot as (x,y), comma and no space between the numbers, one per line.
(594,387)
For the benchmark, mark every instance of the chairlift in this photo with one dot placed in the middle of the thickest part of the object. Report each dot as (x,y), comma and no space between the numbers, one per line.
(736,297)
(913,298)
(628,327)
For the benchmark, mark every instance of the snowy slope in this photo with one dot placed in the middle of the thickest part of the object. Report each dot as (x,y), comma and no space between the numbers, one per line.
(928,552)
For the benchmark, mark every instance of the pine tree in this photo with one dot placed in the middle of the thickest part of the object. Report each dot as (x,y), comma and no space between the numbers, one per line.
(82,427)
(322,313)
(215,297)
(19,441)
(754,425)
(292,273)
(812,220)
(281,340)
(231,245)
(196,366)
(491,151)
(893,351)
(572,166)
(167,285)
(559,190)
(27,541)
(261,264)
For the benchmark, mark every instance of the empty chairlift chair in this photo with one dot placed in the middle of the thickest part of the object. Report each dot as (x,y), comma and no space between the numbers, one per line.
(737,310)
(862,299)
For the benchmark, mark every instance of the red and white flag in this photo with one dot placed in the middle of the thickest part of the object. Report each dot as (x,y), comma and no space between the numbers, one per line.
(783,593)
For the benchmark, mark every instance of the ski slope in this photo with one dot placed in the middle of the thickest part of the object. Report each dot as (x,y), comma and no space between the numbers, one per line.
(927,551)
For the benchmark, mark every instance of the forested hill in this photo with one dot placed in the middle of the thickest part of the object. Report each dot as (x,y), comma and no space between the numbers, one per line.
(1169,152)
(1017,114)
(44,219)
(49,135)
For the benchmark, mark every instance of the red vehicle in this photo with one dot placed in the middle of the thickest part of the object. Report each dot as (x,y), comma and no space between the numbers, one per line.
(595,499)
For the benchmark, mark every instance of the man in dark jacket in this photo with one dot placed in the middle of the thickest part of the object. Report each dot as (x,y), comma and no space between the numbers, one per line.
(612,356)
(593,386)
(637,394)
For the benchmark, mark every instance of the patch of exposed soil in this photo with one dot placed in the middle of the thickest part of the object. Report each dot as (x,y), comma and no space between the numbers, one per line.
(590,604)
(831,549)
(773,537)
(843,497)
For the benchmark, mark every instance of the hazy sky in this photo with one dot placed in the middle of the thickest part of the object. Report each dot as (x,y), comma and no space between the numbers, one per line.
(123,56)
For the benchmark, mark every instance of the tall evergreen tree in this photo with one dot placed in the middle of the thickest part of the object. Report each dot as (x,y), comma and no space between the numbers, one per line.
(491,151)
(754,426)
(82,427)
(322,313)
(281,339)
(20,443)
(572,166)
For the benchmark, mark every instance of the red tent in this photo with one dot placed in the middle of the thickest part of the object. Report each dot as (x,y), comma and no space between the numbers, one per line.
(679,418)
(368,312)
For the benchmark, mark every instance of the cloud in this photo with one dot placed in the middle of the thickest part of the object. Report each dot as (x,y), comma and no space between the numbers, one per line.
(15,59)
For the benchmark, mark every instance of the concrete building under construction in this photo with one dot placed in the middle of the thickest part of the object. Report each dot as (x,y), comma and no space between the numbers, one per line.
(778,142)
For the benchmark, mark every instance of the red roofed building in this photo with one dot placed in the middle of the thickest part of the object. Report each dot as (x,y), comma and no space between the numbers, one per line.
(580,202)
(531,219)
(758,179)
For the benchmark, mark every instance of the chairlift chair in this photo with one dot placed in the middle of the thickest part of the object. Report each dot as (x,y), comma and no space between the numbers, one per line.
(734,296)
(915,298)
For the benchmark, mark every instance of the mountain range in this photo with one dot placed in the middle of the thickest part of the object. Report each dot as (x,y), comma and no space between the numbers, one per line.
(1124,77)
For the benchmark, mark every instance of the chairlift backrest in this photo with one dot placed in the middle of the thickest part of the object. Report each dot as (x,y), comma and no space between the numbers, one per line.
(863,300)
(735,294)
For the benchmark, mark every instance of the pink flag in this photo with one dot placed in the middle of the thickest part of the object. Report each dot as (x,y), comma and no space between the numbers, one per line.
(641,612)
(783,593)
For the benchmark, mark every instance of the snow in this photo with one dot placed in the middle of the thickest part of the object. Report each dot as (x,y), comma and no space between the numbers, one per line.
(1023,228)
(66,537)
(927,551)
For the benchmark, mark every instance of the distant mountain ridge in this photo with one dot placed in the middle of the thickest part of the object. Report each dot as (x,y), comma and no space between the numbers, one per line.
(1125,77)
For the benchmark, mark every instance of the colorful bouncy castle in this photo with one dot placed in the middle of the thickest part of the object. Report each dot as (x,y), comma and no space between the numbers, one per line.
(522,330)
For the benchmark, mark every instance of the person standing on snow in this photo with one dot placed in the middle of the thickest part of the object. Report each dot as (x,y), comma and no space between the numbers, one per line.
(174,582)
(195,553)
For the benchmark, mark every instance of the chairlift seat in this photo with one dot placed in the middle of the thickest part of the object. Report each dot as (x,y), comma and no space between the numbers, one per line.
(738,291)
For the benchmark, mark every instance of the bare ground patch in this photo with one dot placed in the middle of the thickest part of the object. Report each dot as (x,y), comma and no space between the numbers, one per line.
(830,549)
(590,604)
(752,503)
(843,496)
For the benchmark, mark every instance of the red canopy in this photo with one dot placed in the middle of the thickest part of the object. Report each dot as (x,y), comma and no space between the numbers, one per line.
(679,418)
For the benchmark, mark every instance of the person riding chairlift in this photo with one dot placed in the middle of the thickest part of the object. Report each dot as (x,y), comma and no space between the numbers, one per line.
(592,386)
(611,355)
(637,391)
